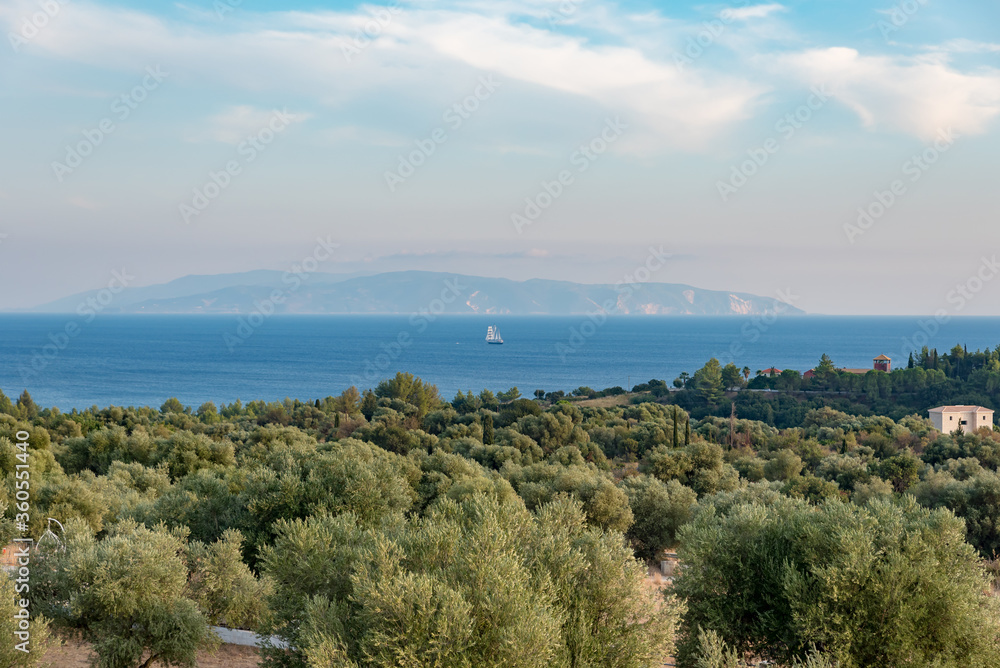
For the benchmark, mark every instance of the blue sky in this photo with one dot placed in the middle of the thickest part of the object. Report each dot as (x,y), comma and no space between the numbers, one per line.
(707,159)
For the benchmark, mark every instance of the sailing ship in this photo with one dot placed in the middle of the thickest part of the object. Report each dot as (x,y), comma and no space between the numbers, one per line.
(493,335)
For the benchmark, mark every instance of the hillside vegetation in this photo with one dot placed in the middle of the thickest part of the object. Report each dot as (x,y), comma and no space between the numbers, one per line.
(393,528)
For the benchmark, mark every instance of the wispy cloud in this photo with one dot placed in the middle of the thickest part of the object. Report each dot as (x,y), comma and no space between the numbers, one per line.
(679,107)
(968,46)
(610,61)
(303,53)
(917,95)
(755,11)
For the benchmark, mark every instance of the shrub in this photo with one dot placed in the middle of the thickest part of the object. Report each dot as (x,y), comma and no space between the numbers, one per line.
(881,585)
(659,510)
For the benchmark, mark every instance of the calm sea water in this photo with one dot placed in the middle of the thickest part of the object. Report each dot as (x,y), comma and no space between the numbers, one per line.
(143,360)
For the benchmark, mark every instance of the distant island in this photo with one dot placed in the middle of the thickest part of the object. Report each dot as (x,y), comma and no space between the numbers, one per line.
(414,291)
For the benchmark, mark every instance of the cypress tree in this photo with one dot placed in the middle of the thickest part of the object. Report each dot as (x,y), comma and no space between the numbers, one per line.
(675,428)
(488,429)
(687,431)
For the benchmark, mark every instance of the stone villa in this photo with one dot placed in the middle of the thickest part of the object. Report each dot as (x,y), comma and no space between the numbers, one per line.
(967,419)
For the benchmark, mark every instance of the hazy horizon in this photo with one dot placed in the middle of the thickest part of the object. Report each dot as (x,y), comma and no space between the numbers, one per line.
(741,137)
(780,296)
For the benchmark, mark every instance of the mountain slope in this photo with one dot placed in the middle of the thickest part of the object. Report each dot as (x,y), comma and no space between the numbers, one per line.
(413,291)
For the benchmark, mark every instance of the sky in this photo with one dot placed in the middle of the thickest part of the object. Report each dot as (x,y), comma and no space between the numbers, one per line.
(842,154)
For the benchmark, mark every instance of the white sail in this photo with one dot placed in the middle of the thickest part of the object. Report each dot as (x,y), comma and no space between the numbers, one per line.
(493,334)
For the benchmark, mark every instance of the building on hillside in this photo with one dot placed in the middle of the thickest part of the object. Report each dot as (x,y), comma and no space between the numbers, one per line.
(772,372)
(880,363)
(809,374)
(966,419)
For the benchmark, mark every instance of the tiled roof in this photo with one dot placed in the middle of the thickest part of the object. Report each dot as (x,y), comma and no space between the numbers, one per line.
(960,409)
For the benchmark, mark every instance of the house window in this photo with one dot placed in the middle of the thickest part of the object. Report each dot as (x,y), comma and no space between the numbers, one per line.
(951,417)
(964,422)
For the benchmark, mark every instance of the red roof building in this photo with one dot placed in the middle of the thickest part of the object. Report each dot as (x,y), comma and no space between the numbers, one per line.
(883,363)
(880,363)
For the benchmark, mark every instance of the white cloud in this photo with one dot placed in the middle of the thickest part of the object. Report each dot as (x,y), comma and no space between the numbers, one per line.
(755,11)
(916,95)
(418,56)
(969,46)
(417,53)
(679,107)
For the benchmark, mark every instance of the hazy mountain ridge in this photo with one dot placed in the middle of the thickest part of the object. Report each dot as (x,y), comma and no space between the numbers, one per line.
(414,291)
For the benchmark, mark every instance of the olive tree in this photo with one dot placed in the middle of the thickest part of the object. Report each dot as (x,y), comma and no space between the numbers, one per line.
(887,584)
(475,581)
(38,636)
(143,596)
(659,509)
(126,595)
(223,586)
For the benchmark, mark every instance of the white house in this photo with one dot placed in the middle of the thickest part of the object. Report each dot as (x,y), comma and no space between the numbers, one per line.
(965,418)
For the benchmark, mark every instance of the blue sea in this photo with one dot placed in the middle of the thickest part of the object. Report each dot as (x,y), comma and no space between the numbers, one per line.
(135,360)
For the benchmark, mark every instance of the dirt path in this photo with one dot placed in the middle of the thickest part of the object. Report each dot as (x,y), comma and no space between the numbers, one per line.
(73,654)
